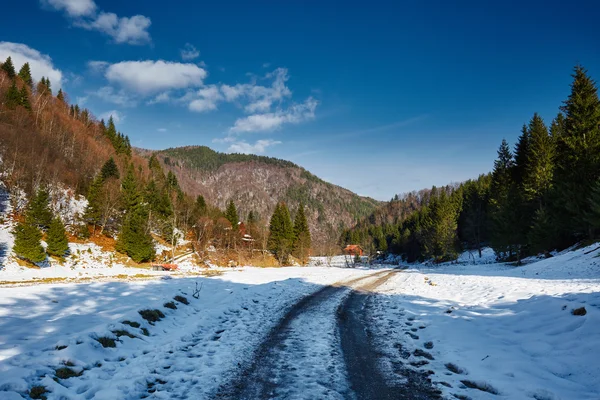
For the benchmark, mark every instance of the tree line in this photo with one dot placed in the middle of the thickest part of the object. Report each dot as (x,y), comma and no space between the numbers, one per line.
(542,195)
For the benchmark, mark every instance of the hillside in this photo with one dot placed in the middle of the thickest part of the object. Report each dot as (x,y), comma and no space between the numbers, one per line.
(257,183)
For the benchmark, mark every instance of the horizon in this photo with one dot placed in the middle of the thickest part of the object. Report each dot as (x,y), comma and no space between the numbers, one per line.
(381,101)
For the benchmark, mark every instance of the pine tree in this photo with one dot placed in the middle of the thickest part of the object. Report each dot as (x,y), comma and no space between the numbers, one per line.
(505,204)
(200,206)
(9,68)
(93,211)
(252,218)
(521,157)
(60,96)
(13,96)
(134,238)
(39,209)
(302,240)
(24,98)
(129,190)
(281,233)
(109,170)
(232,215)
(578,155)
(557,128)
(25,75)
(28,241)
(58,243)
(539,171)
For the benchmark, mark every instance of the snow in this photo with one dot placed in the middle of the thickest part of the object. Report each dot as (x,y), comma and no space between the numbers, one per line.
(192,350)
(508,328)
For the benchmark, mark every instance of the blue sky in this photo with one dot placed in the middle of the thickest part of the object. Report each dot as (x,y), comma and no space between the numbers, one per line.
(378,97)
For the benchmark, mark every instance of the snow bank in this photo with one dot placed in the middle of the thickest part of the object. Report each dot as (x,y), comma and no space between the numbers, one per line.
(504,329)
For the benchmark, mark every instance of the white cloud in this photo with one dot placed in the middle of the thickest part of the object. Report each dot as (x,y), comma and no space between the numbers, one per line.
(40,64)
(74,8)
(258,147)
(147,77)
(110,95)
(116,115)
(270,121)
(207,101)
(81,100)
(84,14)
(163,97)
(97,66)
(162,129)
(189,52)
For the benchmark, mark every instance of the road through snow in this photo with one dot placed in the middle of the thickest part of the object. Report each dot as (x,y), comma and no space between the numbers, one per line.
(312,352)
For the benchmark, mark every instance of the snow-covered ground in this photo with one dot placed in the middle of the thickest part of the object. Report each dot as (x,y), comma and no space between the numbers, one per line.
(187,355)
(508,330)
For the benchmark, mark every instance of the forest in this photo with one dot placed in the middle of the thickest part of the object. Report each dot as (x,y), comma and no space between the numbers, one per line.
(542,195)
(51,148)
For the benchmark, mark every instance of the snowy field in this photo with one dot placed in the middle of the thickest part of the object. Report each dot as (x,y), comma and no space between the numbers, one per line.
(506,330)
(187,354)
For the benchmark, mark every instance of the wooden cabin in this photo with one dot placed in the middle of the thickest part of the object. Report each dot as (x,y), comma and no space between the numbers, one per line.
(353,250)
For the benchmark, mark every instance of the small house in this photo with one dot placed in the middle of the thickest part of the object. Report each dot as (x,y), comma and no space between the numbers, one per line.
(353,250)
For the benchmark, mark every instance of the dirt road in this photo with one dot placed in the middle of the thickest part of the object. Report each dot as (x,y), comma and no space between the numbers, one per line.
(321,349)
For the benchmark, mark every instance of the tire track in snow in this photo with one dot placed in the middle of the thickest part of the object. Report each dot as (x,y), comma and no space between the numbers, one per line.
(301,356)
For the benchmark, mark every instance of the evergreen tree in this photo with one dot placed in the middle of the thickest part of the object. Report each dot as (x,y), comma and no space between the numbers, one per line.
(134,238)
(39,209)
(129,190)
(9,68)
(28,241)
(172,182)
(252,219)
(13,96)
(540,163)
(60,96)
(578,155)
(281,233)
(200,206)
(111,130)
(109,170)
(557,128)
(25,75)
(93,211)
(521,157)
(302,240)
(505,204)
(24,98)
(58,243)
(232,215)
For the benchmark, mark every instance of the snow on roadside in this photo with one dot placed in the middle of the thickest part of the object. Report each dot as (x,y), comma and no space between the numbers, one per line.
(188,354)
(497,328)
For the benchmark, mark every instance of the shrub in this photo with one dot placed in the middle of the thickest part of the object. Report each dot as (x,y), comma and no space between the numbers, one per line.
(123,332)
(66,373)
(38,392)
(170,305)
(133,324)
(181,299)
(152,316)
(106,341)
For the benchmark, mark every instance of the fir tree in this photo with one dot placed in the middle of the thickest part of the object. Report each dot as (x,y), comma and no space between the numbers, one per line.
(9,68)
(28,244)
(93,211)
(578,155)
(232,215)
(200,208)
(281,233)
(25,75)
(13,96)
(302,240)
(505,204)
(39,209)
(60,96)
(540,164)
(252,218)
(129,190)
(58,243)
(134,238)
(24,98)
(109,170)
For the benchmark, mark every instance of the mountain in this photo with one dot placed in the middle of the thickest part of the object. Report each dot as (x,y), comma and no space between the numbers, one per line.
(257,183)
